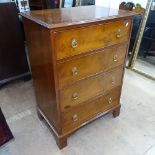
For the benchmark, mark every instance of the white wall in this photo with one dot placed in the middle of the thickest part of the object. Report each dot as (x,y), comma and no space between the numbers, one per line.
(115,3)
(108,3)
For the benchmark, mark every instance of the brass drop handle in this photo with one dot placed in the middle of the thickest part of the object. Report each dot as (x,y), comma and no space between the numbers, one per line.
(118,34)
(113,80)
(110,100)
(75,96)
(115,57)
(74,43)
(75,117)
(74,71)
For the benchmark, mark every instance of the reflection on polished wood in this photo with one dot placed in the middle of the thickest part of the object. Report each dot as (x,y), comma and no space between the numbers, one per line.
(77,57)
(75,16)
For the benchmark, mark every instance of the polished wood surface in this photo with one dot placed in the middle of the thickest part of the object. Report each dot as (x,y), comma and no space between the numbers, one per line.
(38,40)
(77,64)
(92,63)
(80,91)
(65,17)
(90,38)
(89,109)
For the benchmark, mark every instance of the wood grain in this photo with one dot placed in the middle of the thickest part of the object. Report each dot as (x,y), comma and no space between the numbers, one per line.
(38,41)
(90,109)
(88,88)
(90,38)
(90,64)
(77,16)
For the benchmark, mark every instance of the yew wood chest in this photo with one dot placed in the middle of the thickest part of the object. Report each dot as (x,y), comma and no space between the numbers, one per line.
(77,59)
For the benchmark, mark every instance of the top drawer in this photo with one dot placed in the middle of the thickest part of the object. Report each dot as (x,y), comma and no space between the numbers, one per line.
(80,40)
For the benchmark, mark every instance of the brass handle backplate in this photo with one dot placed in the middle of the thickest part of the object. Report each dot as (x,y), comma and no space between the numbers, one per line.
(74,43)
(110,100)
(74,71)
(75,117)
(118,34)
(75,96)
(115,58)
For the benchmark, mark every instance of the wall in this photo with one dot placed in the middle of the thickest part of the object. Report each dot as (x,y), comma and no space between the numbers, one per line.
(108,3)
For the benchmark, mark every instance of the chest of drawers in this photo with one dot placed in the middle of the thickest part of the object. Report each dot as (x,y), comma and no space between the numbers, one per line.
(77,59)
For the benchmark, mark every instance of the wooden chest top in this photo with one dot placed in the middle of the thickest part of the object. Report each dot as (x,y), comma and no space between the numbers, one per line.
(56,18)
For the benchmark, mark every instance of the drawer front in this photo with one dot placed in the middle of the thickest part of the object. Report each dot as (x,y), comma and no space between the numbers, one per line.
(88,88)
(77,116)
(78,68)
(80,40)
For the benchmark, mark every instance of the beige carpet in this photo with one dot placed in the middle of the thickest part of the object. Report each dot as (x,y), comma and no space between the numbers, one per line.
(132,133)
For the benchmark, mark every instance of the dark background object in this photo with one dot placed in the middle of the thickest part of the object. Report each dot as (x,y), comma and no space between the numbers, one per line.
(87,2)
(13,61)
(137,20)
(5,132)
(73,3)
(43,4)
(135,30)
(147,47)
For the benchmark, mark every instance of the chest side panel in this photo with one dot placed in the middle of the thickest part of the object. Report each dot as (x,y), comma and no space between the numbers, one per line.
(41,60)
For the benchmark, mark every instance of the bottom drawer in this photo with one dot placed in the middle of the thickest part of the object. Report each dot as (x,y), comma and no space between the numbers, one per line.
(77,116)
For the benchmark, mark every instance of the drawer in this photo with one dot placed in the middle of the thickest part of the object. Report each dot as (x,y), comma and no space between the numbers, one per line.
(80,40)
(78,68)
(77,116)
(89,88)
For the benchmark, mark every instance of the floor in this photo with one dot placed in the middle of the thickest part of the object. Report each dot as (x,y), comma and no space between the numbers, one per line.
(132,133)
(146,65)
